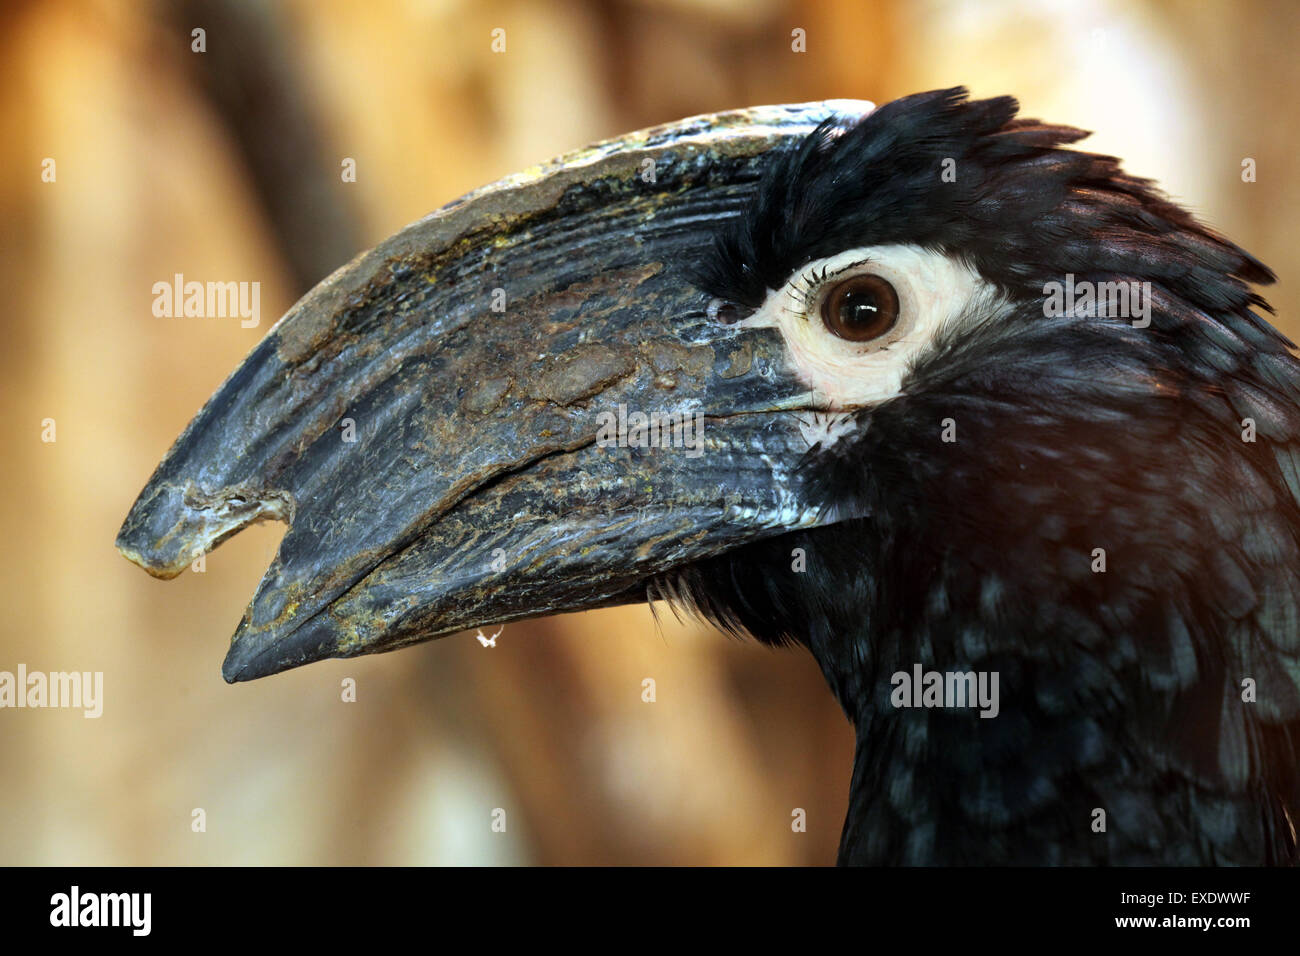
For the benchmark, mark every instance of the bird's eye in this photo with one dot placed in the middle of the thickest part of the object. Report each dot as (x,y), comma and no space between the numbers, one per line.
(860,308)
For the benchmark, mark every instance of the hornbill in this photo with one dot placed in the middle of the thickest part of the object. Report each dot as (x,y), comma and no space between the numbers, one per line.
(914,457)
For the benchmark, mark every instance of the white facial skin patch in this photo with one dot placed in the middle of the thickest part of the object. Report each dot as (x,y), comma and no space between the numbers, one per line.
(934,291)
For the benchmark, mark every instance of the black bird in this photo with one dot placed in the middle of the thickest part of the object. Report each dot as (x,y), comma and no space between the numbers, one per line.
(924,391)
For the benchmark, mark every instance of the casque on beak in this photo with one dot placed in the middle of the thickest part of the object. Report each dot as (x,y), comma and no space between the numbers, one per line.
(450,423)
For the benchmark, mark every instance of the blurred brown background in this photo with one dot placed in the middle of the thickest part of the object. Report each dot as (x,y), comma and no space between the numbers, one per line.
(225,165)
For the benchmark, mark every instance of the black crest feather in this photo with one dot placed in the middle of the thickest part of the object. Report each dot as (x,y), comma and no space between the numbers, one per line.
(1013,203)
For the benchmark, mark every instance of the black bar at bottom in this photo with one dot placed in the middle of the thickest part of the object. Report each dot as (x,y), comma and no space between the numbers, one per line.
(329,905)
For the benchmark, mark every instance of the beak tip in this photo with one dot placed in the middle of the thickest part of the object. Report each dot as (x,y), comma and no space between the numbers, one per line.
(157,534)
(243,664)
(147,559)
(233,670)
(256,653)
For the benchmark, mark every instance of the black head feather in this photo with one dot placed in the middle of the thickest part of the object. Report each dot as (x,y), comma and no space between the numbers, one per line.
(1122,690)
(1015,205)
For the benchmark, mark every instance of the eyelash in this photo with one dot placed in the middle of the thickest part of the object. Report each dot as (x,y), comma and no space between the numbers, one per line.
(806,286)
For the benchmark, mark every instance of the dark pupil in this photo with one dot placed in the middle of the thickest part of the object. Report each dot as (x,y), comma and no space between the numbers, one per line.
(859,308)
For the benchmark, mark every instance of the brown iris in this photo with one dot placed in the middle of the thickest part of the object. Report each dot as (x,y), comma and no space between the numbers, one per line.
(860,308)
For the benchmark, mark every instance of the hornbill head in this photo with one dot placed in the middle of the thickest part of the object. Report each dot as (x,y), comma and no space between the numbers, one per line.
(915,387)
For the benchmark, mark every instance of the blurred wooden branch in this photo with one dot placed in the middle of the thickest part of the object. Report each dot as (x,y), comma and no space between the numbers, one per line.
(250,76)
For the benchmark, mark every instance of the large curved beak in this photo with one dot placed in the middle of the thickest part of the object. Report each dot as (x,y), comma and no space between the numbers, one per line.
(517,406)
